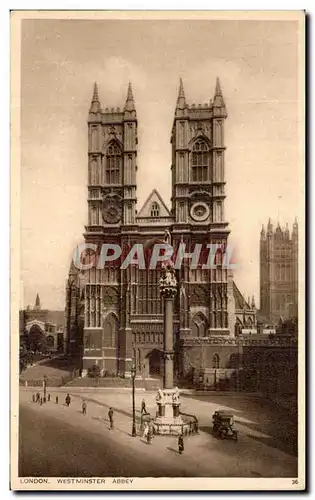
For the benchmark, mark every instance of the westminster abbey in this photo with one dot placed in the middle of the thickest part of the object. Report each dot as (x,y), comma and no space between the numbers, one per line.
(114,314)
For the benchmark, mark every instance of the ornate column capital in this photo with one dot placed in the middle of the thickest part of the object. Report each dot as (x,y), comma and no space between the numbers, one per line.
(168,355)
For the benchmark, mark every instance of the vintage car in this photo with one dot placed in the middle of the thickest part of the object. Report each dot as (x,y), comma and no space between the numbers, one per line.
(223,422)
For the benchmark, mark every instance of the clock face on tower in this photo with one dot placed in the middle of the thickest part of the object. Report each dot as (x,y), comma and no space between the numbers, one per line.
(199,211)
(111,211)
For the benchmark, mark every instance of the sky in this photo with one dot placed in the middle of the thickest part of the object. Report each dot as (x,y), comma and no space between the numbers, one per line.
(257,62)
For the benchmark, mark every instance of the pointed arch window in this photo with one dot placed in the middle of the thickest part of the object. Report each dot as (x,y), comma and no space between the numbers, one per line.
(216,361)
(200,161)
(113,164)
(155,209)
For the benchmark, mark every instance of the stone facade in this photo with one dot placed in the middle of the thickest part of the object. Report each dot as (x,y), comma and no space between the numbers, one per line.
(115,314)
(278,273)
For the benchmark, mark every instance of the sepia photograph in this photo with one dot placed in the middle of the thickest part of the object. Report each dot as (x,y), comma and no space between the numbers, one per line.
(158,250)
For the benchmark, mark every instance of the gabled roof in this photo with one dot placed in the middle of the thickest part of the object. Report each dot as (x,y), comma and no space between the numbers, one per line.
(154,196)
(240,302)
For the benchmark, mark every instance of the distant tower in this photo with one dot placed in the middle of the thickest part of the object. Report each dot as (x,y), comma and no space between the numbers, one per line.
(37,306)
(278,272)
(295,266)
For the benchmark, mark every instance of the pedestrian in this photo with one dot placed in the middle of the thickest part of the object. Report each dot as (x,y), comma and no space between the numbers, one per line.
(57,400)
(37,397)
(111,418)
(84,407)
(34,398)
(48,398)
(68,400)
(145,430)
(180,444)
(41,401)
(143,407)
(149,435)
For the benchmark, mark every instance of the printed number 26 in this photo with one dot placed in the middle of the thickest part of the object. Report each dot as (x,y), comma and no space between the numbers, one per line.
(295,481)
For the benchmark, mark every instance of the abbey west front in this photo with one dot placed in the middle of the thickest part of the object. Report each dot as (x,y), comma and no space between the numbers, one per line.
(114,315)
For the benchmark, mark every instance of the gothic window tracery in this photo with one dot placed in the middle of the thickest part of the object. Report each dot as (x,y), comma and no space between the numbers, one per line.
(199,326)
(113,164)
(155,209)
(199,161)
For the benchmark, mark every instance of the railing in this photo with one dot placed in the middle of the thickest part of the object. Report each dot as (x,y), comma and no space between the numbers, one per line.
(193,423)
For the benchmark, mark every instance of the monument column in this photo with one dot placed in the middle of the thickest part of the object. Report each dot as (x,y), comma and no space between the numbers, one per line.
(168,295)
(168,420)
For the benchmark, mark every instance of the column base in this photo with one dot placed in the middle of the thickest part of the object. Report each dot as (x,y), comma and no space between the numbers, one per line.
(168,421)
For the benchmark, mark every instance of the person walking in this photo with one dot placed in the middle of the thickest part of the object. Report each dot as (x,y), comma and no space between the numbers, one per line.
(57,400)
(48,398)
(111,418)
(84,405)
(34,398)
(68,400)
(37,397)
(145,430)
(143,407)
(180,444)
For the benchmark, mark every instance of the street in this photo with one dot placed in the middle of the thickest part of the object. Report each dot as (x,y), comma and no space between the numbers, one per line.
(48,448)
(60,441)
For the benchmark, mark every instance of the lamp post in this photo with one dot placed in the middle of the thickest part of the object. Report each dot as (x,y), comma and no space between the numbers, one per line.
(133,376)
(45,386)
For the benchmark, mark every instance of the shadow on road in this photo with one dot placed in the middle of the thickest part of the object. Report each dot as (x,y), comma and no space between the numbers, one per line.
(172,449)
(286,446)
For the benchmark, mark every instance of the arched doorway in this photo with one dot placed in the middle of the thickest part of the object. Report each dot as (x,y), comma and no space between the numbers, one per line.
(50,342)
(110,344)
(110,331)
(156,363)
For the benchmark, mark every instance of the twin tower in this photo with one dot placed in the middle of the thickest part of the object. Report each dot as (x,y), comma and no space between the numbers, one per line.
(198,177)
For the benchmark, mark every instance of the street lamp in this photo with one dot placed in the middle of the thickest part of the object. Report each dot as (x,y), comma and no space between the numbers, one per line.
(45,386)
(133,376)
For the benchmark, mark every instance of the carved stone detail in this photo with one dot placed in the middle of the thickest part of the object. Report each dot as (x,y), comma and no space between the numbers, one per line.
(169,356)
(168,282)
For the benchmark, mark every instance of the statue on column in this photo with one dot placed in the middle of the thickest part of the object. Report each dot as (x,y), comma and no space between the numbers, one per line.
(168,281)
(167,237)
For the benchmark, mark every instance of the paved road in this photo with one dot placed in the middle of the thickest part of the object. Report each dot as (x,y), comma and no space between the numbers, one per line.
(60,441)
(51,448)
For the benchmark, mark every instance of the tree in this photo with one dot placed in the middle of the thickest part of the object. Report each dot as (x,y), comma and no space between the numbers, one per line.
(26,358)
(36,339)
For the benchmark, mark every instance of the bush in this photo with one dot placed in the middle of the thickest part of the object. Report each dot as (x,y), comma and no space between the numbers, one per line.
(94,371)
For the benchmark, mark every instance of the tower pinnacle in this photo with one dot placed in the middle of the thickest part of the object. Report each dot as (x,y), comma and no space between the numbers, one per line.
(181,100)
(218,100)
(95,103)
(130,104)
(269,227)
